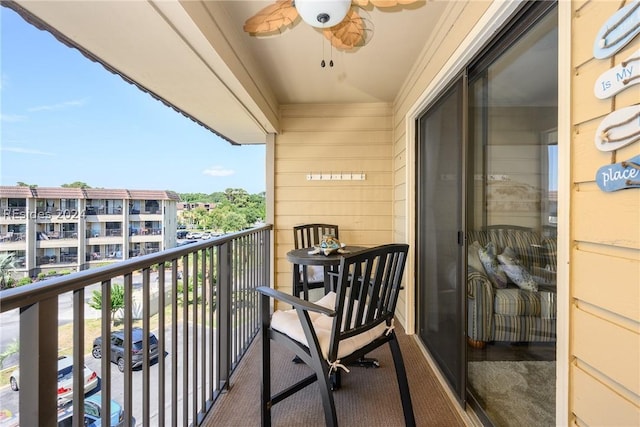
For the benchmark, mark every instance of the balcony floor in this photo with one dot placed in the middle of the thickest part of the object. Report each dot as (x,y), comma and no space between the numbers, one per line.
(368,396)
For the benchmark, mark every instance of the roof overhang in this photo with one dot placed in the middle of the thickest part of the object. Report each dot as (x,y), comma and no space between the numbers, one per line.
(160,48)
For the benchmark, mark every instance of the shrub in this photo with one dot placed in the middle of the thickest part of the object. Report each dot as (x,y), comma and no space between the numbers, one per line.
(24,281)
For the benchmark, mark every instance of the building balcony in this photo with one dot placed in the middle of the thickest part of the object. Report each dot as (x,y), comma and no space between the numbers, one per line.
(207,336)
(57,243)
(12,244)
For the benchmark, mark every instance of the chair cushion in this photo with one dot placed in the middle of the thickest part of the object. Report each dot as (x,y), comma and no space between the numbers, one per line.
(491,266)
(516,302)
(473,259)
(287,322)
(513,267)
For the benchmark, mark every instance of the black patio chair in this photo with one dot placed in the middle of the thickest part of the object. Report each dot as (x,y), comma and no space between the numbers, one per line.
(309,277)
(339,328)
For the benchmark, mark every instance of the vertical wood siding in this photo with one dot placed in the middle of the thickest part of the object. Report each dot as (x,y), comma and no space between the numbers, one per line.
(605,254)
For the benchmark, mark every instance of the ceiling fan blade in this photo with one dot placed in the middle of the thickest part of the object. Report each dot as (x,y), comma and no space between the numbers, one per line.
(383,3)
(272,18)
(348,34)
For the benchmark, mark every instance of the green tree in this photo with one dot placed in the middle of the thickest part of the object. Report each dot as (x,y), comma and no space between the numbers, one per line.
(77,184)
(227,219)
(117,300)
(232,210)
(24,184)
(255,209)
(7,263)
(237,196)
(193,197)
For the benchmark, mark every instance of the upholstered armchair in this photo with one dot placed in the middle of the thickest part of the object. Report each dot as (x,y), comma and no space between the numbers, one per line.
(511,286)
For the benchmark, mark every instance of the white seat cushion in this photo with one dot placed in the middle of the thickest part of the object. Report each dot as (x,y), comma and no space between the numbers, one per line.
(287,322)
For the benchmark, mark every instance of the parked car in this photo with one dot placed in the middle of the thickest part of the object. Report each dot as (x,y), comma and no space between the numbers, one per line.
(92,413)
(117,348)
(181,234)
(65,379)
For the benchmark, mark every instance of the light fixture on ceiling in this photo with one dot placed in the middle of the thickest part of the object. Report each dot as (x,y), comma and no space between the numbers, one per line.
(341,24)
(322,13)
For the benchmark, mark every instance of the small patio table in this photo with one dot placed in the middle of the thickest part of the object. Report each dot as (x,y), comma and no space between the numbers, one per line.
(302,257)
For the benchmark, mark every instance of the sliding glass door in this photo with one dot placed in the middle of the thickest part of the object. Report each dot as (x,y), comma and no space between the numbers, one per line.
(439,246)
(511,226)
(486,225)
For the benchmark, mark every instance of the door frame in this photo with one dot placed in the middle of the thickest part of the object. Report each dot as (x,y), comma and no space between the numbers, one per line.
(496,16)
(460,80)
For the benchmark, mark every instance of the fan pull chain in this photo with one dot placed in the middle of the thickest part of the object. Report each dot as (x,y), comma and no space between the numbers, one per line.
(331,61)
(323,63)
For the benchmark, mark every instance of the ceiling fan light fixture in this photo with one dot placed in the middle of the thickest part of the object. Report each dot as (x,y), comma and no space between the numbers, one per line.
(322,13)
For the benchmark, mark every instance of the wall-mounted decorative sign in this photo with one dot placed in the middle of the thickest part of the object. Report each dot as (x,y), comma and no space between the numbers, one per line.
(619,30)
(618,129)
(618,78)
(336,176)
(619,176)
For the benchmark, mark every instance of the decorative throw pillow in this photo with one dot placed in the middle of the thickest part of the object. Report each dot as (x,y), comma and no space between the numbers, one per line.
(491,266)
(473,259)
(516,271)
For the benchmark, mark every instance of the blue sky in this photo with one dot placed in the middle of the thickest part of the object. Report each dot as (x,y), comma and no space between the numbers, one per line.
(65,118)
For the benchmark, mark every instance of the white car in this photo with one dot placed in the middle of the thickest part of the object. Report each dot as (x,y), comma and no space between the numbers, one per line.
(65,379)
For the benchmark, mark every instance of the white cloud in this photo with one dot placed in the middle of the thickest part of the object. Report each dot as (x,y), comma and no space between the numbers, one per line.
(26,151)
(59,106)
(218,171)
(11,118)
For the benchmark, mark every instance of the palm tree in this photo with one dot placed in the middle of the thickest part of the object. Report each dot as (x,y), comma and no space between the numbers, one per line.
(117,301)
(7,263)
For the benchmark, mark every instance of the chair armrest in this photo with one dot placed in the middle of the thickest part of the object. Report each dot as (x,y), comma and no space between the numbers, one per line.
(478,283)
(480,302)
(295,301)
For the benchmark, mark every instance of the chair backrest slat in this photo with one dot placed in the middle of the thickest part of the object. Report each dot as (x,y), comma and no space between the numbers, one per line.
(309,235)
(367,290)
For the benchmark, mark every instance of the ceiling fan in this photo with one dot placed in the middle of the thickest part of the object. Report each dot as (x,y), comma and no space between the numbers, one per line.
(340,22)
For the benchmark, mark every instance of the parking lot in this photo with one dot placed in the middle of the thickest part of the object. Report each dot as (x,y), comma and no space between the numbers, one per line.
(9,399)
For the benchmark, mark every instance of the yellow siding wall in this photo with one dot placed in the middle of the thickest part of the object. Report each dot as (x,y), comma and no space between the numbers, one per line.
(605,253)
(604,227)
(333,138)
(457,22)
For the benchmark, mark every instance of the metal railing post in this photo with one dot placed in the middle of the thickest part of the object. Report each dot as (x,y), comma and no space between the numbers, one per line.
(224,314)
(39,363)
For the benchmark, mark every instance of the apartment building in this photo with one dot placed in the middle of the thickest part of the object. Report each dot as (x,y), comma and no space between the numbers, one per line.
(53,229)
